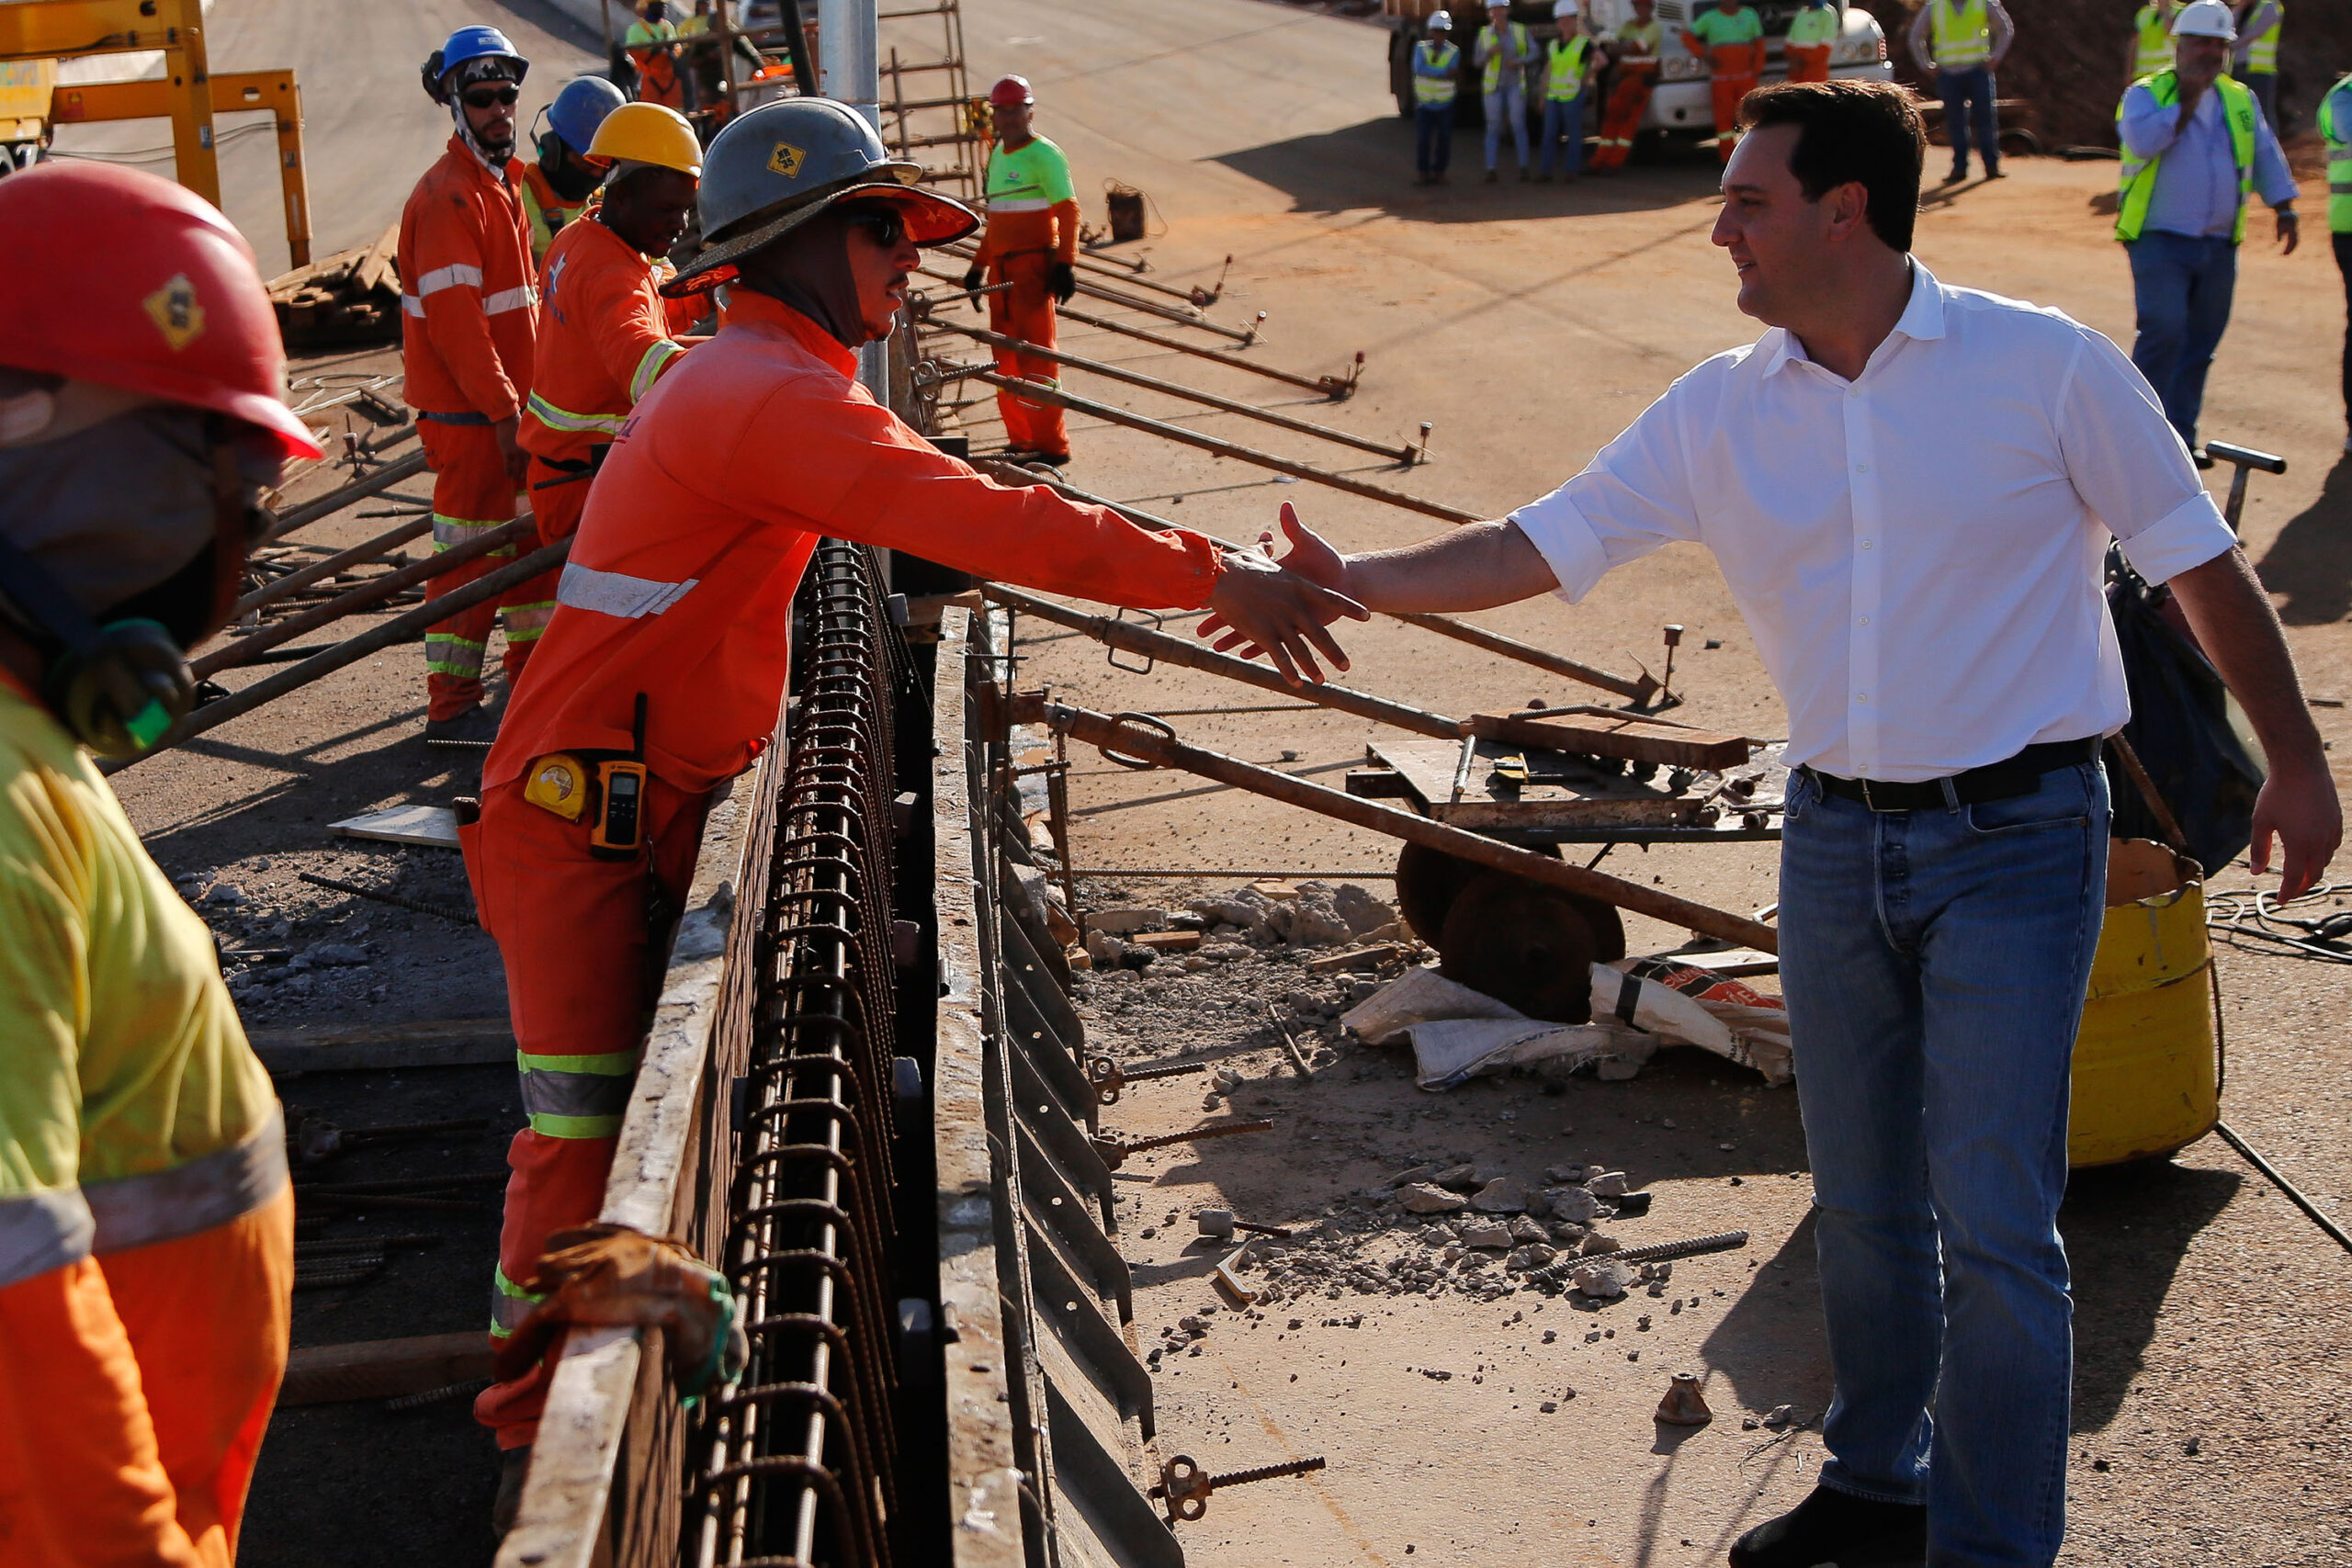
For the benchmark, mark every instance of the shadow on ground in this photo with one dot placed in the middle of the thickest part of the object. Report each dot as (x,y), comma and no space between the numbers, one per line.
(2127,1228)
(2311,561)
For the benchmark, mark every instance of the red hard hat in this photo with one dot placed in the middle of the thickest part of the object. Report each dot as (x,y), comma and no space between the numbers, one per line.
(168,300)
(1011,90)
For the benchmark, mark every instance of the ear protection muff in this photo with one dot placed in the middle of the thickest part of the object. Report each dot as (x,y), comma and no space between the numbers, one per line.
(116,688)
(546,142)
(431,73)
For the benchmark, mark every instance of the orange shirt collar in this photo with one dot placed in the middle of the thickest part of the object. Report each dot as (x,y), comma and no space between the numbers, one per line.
(746,305)
(464,154)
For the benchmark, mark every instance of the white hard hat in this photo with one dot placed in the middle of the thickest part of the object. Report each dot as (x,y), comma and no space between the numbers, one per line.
(2205,18)
(1438,22)
(1563,8)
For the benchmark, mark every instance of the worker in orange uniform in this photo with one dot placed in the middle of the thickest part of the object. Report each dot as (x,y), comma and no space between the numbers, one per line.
(605,336)
(662,675)
(1730,38)
(146,1227)
(1031,244)
(470,308)
(558,186)
(1813,33)
(653,48)
(1633,56)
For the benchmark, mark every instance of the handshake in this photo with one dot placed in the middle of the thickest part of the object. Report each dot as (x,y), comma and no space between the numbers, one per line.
(1283,610)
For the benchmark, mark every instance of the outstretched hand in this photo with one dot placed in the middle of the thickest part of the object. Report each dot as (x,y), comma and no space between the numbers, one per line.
(1281,610)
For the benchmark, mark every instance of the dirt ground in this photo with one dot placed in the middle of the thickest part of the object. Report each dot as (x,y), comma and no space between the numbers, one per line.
(1529,325)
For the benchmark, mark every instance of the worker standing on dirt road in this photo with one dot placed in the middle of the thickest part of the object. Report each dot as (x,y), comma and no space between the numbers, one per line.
(2255,58)
(1813,33)
(2195,146)
(2151,50)
(653,50)
(606,334)
(1030,245)
(146,1227)
(667,656)
(1504,51)
(2336,125)
(1568,67)
(469,319)
(1959,46)
(1437,64)
(1889,441)
(1730,38)
(1634,62)
(557,188)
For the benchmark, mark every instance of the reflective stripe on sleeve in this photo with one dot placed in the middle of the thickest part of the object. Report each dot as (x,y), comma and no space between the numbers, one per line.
(617,593)
(507,299)
(412,305)
(659,354)
(208,1191)
(41,1231)
(449,277)
(554,418)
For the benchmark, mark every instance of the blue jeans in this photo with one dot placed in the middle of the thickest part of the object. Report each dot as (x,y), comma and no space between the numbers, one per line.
(1935,963)
(1968,111)
(1433,137)
(1564,129)
(1509,103)
(2181,288)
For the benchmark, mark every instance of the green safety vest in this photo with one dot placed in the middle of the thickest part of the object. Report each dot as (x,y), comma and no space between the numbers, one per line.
(1519,40)
(2336,124)
(1814,25)
(2139,179)
(2155,43)
(1434,65)
(2262,56)
(1963,36)
(1565,79)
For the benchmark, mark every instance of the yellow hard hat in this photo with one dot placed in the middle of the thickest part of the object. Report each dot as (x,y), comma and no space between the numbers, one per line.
(648,133)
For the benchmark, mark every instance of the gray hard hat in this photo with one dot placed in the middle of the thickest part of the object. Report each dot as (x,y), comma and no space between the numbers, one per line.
(780,164)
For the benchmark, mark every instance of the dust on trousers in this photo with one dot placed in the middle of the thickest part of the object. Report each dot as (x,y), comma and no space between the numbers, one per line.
(578,937)
(1025,310)
(471,492)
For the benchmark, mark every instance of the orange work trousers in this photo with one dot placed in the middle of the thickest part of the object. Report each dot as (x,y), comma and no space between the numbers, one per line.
(1808,63)
(576,935)
(1026,312)
(471,492)
(1734,78)
(557,500)
(134,1389)
(1621,117)
(658,81)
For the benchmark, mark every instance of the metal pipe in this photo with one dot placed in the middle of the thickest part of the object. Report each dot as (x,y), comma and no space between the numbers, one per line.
(1132,638)
(1125,737)
(850,68)
(1188,318)
(335,500)
(211,716)
(1404,454)
(358,555)
(1038,392)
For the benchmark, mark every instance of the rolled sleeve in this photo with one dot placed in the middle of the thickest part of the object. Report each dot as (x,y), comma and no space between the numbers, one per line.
(2188,535)
(2129,466)
(1634,497)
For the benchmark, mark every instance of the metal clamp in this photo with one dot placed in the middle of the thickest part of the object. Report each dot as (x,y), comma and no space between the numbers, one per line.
(1143,720)
(1111,651)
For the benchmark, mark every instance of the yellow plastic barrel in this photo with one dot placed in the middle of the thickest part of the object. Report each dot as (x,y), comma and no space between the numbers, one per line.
(2147,1062)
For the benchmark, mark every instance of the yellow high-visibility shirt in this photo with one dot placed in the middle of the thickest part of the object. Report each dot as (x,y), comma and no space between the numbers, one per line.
(131,1108)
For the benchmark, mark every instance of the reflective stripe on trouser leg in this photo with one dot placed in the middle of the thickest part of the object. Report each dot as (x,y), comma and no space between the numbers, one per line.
(1026,312)
(471,492)
(577,1097)
(510,1303)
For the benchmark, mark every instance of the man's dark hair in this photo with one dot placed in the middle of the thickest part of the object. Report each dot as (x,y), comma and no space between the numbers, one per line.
(1865,133)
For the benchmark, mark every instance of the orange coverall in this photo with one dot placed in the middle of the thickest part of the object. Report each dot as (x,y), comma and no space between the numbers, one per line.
(469,316)
(1737,68)
(680,587)
(606,334)
(1629,96)
(1807,63)
(1020,246)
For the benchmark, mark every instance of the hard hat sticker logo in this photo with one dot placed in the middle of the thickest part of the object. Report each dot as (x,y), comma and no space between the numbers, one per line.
(175,313)
(787,160)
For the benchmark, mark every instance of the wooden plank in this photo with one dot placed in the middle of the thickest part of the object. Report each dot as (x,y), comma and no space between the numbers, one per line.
(1426,771)
(379,267)
(383,1368)
(429,1043)
(1605,732)
(434,826)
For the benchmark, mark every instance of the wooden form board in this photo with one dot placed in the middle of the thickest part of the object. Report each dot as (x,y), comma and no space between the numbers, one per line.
(1606,732)
(430,1043)
(434,826)
(1569,797)
(383,1368)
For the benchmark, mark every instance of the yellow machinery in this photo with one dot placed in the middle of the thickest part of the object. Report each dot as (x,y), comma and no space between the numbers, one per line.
(2147,1060)
(35,34)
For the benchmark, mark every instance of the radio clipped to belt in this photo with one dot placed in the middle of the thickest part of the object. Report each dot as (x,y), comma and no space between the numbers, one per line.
(605,789)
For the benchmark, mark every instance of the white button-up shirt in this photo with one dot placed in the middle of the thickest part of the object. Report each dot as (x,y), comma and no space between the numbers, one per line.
(1917,551)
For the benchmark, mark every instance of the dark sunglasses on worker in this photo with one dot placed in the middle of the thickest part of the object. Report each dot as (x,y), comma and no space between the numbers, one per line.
(483,98)
(886,224)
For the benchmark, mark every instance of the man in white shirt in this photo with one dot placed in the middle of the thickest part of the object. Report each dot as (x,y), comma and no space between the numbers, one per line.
(1909,487)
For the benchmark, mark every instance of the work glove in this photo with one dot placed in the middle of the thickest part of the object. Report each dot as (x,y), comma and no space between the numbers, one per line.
(610,1276)
(1063,281)
(974,277)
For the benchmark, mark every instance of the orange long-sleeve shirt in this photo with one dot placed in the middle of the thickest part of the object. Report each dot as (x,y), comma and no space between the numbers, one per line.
(708,505)
(469,295)
(605,335)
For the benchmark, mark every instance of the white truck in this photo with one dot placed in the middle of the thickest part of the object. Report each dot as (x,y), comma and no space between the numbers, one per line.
(1683,102)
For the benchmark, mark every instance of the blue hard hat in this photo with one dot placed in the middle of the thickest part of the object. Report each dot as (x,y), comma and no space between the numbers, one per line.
(581,107)
(775,167)
(463,48)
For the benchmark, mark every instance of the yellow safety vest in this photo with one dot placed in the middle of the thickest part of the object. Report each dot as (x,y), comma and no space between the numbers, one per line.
(1965,36)
(2262,56)
(1433,67)
(2155,32)
(1814,25)
(1519,41)
(2139,179)
(1565,77)
(2336,124)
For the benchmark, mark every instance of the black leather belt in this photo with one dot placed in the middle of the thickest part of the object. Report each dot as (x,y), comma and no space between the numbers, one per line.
(2005,779)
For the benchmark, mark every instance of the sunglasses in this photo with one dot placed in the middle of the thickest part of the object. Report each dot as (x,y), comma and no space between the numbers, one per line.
(483,98)
(888,225)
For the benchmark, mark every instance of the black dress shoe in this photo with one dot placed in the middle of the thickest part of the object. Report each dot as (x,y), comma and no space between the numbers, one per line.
(1837,1529)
